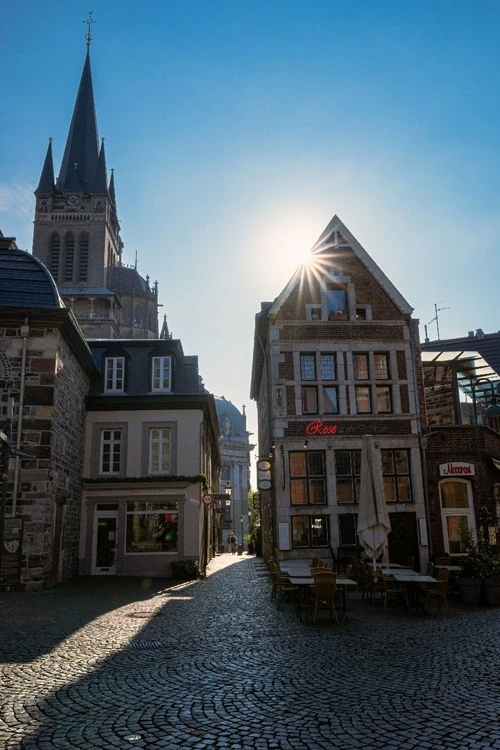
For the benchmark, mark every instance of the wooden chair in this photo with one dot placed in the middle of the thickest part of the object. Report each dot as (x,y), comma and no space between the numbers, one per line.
(372,584)
(324,593)
(394,590)
(424,587)
(439,591)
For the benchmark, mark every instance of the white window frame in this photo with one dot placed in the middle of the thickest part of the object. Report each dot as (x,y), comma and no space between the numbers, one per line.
(163,439)
(112,442)
(161,381)
(114,374)
(466,513)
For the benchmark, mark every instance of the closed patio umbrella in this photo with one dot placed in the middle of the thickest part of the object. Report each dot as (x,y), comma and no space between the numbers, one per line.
(373,517)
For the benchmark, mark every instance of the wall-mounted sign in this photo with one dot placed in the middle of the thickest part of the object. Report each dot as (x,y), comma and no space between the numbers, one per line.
(264,474)
(456,469)
(320,428)
(207,499)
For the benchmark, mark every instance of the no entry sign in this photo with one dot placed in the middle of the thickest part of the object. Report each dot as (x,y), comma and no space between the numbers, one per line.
(207,499)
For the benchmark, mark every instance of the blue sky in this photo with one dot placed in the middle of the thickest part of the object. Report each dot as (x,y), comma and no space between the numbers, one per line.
(238,129)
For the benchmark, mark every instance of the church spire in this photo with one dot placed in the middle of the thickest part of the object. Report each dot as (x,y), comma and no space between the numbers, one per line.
(101,179)
(46,184)
(79,164)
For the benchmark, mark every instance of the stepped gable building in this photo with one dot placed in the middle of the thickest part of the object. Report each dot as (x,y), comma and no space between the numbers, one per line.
(77,234)
(336,357)
(45,372)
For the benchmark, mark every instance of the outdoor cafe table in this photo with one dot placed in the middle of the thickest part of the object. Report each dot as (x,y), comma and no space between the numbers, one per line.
(413,580)
(303,582)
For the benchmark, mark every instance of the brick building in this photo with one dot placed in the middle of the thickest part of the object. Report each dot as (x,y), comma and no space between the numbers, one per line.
(336,357)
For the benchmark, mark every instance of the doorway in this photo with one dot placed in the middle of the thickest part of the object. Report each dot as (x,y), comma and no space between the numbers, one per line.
(104,542)
(403,539)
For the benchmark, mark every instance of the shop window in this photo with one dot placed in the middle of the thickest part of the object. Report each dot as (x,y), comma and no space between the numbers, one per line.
(110,452)
(396,476)
(307,478)
(159,450)
(348,525)
(456,513)
(114,370)
(162,374)
(152,527)
(309,531)
(347,474)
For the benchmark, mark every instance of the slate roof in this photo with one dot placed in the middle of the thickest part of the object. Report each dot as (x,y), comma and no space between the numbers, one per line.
(125,280)
(232,423)
(25,281)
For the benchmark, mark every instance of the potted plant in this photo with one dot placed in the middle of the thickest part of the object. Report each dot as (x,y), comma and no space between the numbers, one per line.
(471,570)
(185,569)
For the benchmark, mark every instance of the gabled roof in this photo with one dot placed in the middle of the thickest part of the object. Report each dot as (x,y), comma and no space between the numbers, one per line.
(325,246)
(79,163)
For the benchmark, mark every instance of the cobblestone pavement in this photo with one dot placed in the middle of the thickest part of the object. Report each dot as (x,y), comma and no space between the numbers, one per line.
(214,665)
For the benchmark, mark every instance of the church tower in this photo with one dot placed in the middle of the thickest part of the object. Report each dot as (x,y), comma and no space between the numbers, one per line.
(77,233)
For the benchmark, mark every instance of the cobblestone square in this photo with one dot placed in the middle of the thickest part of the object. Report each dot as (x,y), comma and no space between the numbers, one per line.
(214,665)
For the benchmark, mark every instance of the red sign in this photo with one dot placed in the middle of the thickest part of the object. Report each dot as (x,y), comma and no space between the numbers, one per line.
(454,468)
(318,428)
(207,499)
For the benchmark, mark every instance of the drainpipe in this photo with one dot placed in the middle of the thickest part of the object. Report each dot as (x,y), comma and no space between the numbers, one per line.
(25,332)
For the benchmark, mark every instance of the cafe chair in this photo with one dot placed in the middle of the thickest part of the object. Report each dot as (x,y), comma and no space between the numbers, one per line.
(439,591)
(372,583)
(324,593)
(394,590)
(424,587)
(285,589)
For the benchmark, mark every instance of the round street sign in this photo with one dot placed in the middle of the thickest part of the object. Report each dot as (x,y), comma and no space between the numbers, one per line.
(207,499)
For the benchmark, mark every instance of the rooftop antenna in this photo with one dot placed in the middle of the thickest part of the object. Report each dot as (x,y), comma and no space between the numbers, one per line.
(88,36)
(435,318)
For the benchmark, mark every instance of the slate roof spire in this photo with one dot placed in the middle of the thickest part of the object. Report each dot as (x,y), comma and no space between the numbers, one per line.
(46,184)
(79,163)
(101,179)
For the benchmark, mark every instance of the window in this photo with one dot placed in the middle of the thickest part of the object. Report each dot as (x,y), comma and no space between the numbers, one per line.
(381,367)
(347,472)
(162,374)
(84,256)
(361,313)
(336,303)
(456,513)
(384,400)
(159,450)
(309,531)
(111,442)
(363,399)
(55,249)
(69,256)
(348,525)
(152,527)
(309,400)
(396,475)
(307,478)
(114,374)
(328,370)
(361,368)
(331,399)
(307,367)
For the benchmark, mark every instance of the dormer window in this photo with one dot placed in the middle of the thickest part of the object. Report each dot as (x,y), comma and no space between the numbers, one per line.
(114,372)
(161,374)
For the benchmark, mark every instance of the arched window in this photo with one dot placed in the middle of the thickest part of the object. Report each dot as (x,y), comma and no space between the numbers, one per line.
(83,243)
(69,256)
(55,251)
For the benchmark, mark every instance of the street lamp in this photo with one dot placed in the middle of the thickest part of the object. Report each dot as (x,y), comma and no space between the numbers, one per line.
(241,521)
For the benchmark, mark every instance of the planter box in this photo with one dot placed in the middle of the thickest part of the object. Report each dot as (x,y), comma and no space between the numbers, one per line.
(470,590)
(491,591)
(185,570)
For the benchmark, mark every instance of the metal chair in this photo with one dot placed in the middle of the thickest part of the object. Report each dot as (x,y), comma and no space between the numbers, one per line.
(394,590)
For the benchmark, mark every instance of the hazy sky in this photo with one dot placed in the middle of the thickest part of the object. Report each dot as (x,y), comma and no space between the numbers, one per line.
(238,129)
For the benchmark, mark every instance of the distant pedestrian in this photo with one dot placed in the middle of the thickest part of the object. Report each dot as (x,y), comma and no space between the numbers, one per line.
(232,543)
